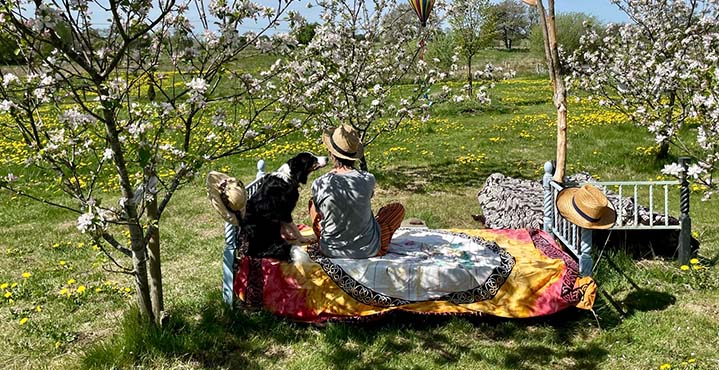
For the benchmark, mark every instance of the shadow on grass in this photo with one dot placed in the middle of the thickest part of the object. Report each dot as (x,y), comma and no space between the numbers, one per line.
(445,175)
(209,336)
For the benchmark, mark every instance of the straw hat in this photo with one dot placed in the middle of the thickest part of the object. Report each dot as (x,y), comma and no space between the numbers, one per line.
(587,207)
(227,196)
(343,142)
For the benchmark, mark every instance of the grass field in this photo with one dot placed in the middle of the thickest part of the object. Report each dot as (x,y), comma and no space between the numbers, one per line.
(60,310)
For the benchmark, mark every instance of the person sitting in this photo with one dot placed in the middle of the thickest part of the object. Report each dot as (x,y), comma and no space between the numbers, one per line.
(340,207)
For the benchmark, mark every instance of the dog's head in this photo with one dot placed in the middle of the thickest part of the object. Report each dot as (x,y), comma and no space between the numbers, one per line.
(303,164)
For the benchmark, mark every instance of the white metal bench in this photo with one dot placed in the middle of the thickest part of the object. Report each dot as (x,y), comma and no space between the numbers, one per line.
(579,241)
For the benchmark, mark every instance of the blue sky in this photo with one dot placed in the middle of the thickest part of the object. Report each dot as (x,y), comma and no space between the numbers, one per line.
(602,9)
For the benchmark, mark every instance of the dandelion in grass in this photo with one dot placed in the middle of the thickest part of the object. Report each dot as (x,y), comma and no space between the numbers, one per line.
(81,289)
(38,309)
(694,261)
(7,294)
(665,367)
(71,281)
(23,321)
(26,275)
(4,285)
(684,268)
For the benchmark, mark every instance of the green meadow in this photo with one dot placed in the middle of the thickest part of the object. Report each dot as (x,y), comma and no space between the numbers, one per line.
(61,310)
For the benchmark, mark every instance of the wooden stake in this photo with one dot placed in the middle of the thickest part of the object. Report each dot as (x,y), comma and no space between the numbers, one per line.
(549,32)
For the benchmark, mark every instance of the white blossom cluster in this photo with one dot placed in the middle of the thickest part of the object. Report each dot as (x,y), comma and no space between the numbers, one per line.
(660,69)
(358,70)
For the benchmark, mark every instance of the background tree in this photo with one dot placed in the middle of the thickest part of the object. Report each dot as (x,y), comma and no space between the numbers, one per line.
(78,110)
(356,73)
(474,27)
(513,23)
(660,70)
(305,33)
(570,29)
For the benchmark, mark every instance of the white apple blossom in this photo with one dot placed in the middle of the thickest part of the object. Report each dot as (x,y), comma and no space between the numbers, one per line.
(107,154)
(660,71)
(672,169)
(6,105)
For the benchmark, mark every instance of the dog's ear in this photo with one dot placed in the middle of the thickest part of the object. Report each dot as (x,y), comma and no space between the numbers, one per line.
(300,166)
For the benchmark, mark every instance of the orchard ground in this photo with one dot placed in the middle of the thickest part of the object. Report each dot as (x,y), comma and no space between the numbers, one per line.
(60,310)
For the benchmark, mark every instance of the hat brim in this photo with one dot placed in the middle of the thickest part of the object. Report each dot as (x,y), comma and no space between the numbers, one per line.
(564,204)
(213,194)
(326,134)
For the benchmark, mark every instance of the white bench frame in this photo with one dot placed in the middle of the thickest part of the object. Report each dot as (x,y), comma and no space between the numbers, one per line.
(230,250)
(579,240)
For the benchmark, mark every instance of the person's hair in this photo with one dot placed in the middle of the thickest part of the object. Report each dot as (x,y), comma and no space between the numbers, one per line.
(341,162)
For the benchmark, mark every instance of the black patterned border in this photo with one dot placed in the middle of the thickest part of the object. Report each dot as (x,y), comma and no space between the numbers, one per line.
(370,297)
(569,293)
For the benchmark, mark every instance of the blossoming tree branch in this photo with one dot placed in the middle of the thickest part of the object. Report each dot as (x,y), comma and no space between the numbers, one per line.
(119,120)
(660,70)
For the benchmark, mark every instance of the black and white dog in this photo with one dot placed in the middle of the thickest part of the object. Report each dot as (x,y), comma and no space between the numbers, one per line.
(268,219)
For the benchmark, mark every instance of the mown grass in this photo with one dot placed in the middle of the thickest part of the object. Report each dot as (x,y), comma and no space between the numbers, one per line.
(435,168)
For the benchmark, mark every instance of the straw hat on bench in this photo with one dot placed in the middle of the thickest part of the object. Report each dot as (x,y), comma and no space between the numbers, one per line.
(227,196)
(586,207)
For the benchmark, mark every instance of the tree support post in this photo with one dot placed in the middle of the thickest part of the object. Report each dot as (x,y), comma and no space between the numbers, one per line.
(685,235)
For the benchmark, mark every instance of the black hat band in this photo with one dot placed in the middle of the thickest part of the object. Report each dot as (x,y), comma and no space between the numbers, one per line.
(339,150)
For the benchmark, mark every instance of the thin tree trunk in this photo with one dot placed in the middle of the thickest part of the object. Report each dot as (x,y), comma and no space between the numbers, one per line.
(139,251)
(469,75)
(156,296)
(363,164)
(560,92)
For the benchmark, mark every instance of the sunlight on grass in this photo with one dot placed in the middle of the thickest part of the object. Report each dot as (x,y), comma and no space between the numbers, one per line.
(61,310)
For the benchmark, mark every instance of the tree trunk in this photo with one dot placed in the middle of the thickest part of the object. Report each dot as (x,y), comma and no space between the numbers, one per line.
(560,93)
(469,75)
(158,305)
(142,289)
(663,152)
(363,164)
(139,251)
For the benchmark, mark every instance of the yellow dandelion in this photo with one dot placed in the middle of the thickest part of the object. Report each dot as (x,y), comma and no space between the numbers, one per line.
(665,367)
(61,263)
(38,309)
(694,261)
(80,244)
(13,285)
(81,289)
(23,321)
(57,344)
(98,290)
(8,294)
(4,285)
(26,275)
(697,267)
(71,281)
(684,267)
(692,360)
(63,291)
(127,290)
